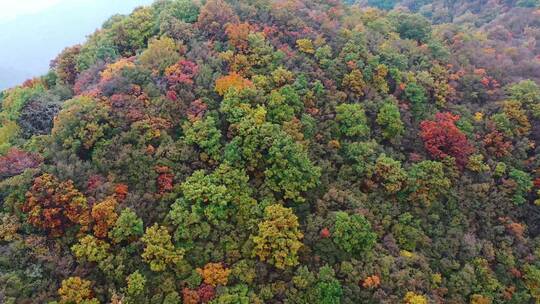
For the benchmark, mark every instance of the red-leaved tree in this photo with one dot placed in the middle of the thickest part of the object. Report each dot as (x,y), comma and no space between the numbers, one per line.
(16,161)
(442,138)
(182,72)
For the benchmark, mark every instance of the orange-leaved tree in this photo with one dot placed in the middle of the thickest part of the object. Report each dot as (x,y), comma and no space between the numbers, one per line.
(105,216)
(53,205)
(234,81)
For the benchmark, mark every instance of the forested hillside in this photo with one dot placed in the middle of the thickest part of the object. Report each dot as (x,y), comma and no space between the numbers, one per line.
(290,151)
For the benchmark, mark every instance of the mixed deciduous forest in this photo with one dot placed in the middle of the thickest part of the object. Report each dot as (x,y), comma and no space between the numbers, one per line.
(290,151)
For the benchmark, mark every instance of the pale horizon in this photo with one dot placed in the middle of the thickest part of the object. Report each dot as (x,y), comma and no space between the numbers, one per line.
(13,9)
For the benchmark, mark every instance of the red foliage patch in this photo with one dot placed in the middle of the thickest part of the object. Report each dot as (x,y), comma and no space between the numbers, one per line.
(325,233)
(442,138)
(94,182)
(16,161)
(121,191)
(496,145)
(182,72)
(165,179)
(196,110)
(206,293)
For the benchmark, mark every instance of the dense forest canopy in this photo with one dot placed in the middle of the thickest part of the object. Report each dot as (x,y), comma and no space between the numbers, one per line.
(291,151)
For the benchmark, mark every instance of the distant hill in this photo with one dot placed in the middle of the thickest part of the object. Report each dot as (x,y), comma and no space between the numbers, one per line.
(448,10)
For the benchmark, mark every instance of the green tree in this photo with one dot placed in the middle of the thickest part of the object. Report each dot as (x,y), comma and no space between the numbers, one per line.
(362,155)
(159,251)
(91,249)
(219,196)
(525,91)
(289,169)
(284,104)
(136,284)
(528,93)
(172,298)
(383,4)
(417,96)
(390,173)
(131,33)
(407,232)
(98,48)
(205,134)
(278,240)
(191,222)
(352,120)
(412,26)
(17,98)
(389,119)
(238,294)
(160,54)
(426,182)
(352,233)
(329,290)
(9,131)
(532,281)
(523,186)
(528,3)
(128,227)
(184,10)
(81,124)
(320,288)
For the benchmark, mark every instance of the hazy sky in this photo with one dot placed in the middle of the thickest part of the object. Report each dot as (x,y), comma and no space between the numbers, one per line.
(33,32)
(10,9)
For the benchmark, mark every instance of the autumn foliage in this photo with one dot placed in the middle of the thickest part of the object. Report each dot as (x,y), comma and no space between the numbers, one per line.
(442,138)
(16,161)
(165,179)
(53,205)
(182,72)
(121,191)
(76,290)
(190,296)
(104,216)
(214,274)
(234,81)
(238,34)
(373,281)
(206,293)
(496,144)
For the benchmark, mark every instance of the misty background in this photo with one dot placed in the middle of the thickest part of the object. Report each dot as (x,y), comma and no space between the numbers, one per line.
(33,32)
